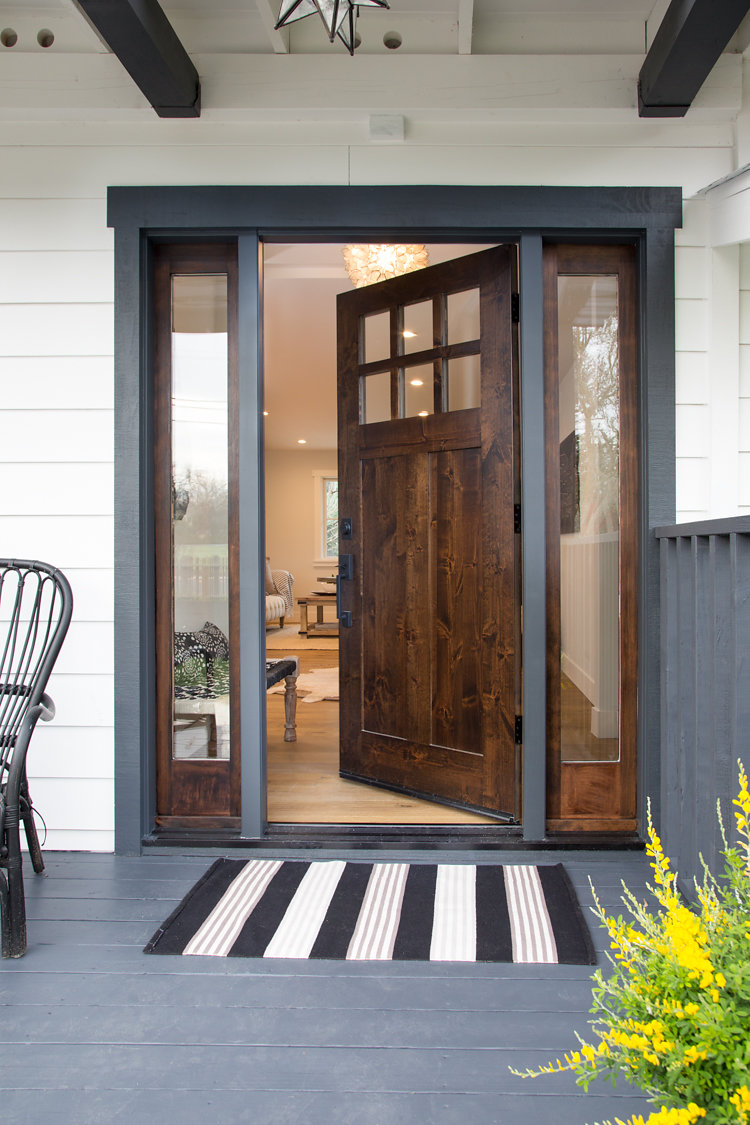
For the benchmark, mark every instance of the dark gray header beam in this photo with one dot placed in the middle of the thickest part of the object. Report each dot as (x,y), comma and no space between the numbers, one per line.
(439,213)
(141,36)
(689,41)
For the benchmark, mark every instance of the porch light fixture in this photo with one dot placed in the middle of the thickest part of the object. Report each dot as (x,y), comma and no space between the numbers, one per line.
(338,16)
(367,265)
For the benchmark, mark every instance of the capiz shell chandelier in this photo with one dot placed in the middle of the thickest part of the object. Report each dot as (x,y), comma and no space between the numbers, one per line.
(367,265)
(339,16)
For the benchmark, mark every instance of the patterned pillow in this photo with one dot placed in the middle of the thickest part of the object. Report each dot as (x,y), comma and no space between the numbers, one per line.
(211,638)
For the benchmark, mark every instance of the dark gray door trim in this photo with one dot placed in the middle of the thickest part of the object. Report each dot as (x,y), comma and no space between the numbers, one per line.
(143,215)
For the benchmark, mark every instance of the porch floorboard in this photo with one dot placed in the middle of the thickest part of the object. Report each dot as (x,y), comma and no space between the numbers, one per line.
(94,1030)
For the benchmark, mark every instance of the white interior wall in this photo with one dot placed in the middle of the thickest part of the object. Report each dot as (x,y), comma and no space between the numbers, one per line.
(290,515)
(56,285)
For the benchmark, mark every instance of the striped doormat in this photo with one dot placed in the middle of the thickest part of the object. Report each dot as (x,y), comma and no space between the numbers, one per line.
(379,912)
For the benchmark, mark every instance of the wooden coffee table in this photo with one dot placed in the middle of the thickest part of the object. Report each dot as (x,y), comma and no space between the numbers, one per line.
(307,627)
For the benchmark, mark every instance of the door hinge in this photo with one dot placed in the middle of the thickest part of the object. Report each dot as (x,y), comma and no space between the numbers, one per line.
(515,308)
(517,519)
(519,729)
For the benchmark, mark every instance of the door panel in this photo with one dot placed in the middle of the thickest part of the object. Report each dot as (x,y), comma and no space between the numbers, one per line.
(456,485)
(427,476)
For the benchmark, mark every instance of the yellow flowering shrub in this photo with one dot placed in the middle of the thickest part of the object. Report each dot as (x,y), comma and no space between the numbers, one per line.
(672,1013)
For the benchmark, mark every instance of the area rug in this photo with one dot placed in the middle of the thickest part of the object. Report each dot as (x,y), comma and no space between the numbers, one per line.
(337,910)
(318,684)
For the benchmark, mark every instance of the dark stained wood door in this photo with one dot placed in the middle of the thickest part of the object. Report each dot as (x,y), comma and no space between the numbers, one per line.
(427,485)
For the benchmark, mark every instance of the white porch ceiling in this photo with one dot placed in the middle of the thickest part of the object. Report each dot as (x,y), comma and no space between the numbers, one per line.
(425,26)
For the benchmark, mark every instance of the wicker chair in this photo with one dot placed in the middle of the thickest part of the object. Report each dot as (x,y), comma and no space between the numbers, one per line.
(36,604)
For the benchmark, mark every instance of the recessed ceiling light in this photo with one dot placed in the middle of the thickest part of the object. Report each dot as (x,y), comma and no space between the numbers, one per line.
(408,334)
(265,413)
(301,441)
(416,382)
(423,413)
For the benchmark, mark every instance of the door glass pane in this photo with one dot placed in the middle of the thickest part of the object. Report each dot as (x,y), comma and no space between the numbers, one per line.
(463,316)
(416,334)
(463,379)
(376,397)
(589,441)
(200,529)
(377,337)
(419,395)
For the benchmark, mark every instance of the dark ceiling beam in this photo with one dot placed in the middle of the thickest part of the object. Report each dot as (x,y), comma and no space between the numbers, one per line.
(141,36)
(687,45)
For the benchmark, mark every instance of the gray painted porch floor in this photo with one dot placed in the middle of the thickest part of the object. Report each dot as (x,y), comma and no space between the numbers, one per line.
(95,1031)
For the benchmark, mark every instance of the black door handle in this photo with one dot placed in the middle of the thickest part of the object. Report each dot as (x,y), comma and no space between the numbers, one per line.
(345,574)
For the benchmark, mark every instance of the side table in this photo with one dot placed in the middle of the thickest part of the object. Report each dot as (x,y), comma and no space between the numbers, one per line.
(307,627)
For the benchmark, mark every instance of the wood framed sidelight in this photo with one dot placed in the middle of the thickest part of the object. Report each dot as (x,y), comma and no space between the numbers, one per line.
(196,535)
(592,488)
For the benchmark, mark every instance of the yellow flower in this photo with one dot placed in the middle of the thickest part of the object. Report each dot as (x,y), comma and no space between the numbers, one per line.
(676,1116)
(692,1054)
(741,1101)
(721,980)
(685,940)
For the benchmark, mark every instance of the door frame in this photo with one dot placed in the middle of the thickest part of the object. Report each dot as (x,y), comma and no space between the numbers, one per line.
(144,216)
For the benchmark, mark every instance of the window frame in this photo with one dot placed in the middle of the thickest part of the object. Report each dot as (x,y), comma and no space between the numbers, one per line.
(320,477)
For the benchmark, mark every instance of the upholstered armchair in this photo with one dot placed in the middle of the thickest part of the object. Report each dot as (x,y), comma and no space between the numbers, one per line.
(279,596)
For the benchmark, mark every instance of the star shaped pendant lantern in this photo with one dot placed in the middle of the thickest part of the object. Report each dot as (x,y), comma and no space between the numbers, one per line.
(339,16)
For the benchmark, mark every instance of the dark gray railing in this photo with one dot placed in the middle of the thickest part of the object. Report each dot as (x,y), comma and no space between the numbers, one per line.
(705,658)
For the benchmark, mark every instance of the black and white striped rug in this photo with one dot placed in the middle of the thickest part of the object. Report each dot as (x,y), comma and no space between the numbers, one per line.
(379,912)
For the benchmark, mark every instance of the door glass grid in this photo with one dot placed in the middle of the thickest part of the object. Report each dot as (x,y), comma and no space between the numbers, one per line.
(460,375)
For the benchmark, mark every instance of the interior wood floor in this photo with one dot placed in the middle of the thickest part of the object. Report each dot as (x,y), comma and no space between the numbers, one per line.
(304,786)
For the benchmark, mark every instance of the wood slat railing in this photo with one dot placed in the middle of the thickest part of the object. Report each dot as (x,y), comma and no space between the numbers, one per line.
(705,661)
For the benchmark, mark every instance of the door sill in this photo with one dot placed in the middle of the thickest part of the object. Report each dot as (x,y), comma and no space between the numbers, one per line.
(387,837)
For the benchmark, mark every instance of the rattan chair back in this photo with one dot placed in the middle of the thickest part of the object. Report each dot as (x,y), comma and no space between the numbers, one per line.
(36,604)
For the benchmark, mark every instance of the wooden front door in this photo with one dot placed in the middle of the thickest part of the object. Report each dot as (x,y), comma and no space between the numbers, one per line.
(427,487)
